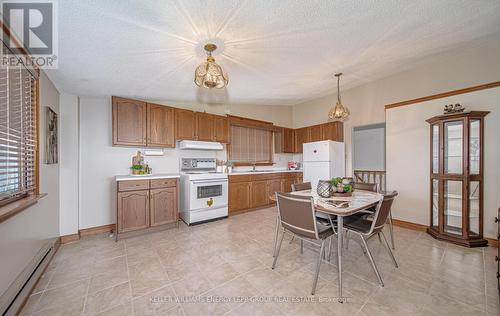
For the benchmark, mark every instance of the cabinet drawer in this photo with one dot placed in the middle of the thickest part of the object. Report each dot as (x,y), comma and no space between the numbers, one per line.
(266,176)
(163,183)
(240,178)
(133,185)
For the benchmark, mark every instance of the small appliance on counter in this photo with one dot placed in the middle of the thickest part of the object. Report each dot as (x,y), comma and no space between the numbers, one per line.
(204,192)
(292,165)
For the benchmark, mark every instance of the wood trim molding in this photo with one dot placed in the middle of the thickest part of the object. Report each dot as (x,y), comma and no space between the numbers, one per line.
(18,206)
(70,238)
(97,230)
(444,94)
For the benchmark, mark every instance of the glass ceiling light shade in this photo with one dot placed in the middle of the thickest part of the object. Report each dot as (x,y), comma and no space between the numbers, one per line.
(339,112)
(210,75)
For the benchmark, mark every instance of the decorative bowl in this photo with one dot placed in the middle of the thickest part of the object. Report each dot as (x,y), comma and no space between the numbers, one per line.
(324,188)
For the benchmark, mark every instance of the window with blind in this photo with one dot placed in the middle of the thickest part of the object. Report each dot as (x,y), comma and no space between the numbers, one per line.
(17,133)
(250,145)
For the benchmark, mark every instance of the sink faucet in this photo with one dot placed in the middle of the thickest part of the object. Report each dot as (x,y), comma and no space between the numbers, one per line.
(253,166)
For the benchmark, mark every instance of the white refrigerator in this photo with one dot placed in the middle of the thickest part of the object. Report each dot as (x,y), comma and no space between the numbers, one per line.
(322,161)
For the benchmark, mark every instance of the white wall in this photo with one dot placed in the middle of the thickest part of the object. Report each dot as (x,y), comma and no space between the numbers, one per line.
(22,235)
(474,64)
(408,153)
(101,162)
(369,148)
(69,163)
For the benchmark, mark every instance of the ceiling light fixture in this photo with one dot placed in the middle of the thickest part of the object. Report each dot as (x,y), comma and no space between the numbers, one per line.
(210,75)
(339,112)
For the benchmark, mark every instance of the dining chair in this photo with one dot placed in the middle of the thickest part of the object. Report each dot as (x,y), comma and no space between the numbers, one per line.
(366,228)
(322,218)
(374,187)
(297,217)
(301,186)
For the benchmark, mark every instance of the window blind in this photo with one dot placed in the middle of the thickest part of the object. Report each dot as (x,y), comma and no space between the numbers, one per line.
(250,145)
(17,132)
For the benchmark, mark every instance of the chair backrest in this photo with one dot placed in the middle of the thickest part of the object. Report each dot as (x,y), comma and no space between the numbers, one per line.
(297,214)
(366,186)
(301,186)
(383,210)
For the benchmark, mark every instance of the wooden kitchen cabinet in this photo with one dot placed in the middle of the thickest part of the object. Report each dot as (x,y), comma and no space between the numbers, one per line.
(129,122)
(133,210)
(163,206)
(273,186)
(284,140)
(222,129)
(205,127)
(332,131)
(146,204)
(239,196)
(315,133)
(287,184)
(160,127)
(185,124)
(260,196)
(302,135)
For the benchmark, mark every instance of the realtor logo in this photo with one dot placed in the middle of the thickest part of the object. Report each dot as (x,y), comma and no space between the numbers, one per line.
(33,31)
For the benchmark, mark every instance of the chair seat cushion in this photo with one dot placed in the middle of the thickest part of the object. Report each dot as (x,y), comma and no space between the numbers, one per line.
(358,223)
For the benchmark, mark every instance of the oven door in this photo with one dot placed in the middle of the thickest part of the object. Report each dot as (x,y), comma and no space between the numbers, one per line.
(206,194)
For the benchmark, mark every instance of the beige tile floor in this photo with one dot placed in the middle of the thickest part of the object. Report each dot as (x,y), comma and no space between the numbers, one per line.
(210,269)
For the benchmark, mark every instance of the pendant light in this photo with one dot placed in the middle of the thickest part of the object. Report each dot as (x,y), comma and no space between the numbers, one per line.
(209,74)
(339,112)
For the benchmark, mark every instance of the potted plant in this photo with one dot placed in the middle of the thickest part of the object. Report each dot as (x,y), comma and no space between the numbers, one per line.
(137,169)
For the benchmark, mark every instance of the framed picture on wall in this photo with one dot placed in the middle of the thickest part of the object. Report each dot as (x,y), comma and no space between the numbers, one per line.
(51,136)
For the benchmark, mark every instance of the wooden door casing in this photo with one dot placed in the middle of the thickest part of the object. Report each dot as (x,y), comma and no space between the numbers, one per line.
(160,131)
(163,206)
(222,129)
(205,127)
(239,196)
(185,125)
(133,210)
(129,122)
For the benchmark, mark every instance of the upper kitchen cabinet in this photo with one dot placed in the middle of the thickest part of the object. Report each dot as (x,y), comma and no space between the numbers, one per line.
(302,135)
(205,127)
(332,131)
(185,125)
(315,133)
(284,140)
(160,127)
(222,129)
(129,122)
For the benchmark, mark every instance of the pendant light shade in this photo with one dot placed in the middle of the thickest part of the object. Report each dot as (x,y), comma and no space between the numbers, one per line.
(209,74)
(339,112)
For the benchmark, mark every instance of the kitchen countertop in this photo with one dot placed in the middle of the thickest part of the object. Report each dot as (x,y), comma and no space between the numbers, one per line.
(147,177)
(236,173)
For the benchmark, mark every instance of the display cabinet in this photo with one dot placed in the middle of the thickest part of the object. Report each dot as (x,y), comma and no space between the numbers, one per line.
(456,178)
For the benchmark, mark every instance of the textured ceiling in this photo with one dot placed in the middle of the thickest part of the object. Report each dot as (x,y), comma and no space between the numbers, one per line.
(275,52)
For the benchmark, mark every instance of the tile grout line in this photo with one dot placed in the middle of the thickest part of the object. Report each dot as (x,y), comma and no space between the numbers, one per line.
(129,280)
(485,285)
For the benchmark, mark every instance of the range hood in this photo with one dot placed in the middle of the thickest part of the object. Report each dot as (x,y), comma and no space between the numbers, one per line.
(197,145)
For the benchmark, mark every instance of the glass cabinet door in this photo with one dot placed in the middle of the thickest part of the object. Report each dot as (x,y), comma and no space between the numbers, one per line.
(453,147)
(435,148)
(453,207)
(474,146)
(435,204)
(474,199)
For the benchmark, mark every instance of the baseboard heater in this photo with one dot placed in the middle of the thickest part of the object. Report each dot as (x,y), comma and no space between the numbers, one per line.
(17,293)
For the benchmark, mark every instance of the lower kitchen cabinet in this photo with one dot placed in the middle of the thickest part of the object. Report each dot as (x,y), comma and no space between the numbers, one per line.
(260,196)
(144,204)
(239,196)
(163,206)
(133,210)
(253,191)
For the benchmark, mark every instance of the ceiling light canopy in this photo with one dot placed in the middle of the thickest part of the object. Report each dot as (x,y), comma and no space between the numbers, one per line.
(339,112)
(210,75)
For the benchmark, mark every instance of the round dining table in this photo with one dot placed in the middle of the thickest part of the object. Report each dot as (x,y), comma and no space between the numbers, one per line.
(339,206)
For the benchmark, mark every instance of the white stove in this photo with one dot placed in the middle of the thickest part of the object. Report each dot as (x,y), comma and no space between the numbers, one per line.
(204,192)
